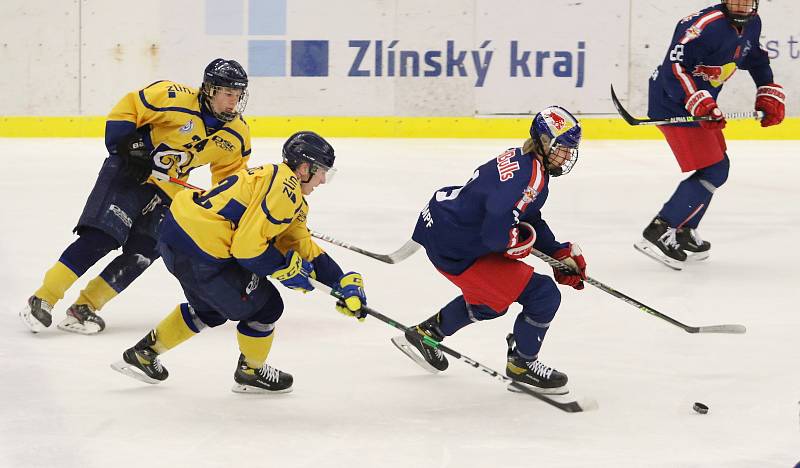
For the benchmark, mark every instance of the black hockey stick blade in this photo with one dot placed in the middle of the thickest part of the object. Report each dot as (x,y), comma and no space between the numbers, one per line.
(631,120)
(397,256)
(574,406)
(728,328)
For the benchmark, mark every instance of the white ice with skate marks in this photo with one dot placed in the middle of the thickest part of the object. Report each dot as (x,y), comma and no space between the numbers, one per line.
(357,400)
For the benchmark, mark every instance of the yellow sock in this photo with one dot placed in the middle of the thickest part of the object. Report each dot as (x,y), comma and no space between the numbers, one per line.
(255,349)
(172,331)
(96,294)
(56,282)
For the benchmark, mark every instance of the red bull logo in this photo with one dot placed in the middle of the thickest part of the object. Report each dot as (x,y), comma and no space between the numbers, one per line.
(715,74)
(558,121)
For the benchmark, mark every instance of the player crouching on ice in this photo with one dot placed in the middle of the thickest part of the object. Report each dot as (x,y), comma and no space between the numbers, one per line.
(476,236)
(221,244)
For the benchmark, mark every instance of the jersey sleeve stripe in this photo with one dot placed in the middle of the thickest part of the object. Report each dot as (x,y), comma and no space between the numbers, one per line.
(166,109)
(686,81)
(701,23)
(535,186)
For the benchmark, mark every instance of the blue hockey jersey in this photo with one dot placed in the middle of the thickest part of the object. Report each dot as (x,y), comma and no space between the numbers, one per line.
(705,51)
(462,223)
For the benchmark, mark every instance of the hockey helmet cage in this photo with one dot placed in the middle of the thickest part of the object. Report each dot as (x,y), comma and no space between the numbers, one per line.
(222,73)
(564,133)
(739,19)
(310,148)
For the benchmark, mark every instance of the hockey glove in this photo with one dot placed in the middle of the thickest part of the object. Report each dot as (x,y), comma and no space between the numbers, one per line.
(133,151)
(295,272)
(701,104)
(350,290)
(771,100)
(572,256)
(520,241)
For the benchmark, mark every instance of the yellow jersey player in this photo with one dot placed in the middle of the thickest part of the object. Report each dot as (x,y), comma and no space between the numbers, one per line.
(222,245)
(167,130)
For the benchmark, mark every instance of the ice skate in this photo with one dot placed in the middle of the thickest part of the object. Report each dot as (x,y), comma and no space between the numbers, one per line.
(82,319)
(533,373)
(267,379)
(36,314)
(690,241)
(412,344)
(141,362)
(659,242)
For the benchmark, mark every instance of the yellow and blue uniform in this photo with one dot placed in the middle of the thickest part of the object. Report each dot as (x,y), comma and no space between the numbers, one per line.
(183,135)
(222,243)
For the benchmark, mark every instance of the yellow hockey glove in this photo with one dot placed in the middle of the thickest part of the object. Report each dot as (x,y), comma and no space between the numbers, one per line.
(295,272)
(350,290)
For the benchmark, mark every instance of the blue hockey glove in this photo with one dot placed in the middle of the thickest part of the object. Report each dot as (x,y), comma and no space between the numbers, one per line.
(350,290)
(295,272)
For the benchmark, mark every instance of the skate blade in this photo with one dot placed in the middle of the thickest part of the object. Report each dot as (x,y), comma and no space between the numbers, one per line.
(698,256)
(126,369)
(644,246)
(563,390)
(30,321)
(72,325)
(409,350)
(241,388)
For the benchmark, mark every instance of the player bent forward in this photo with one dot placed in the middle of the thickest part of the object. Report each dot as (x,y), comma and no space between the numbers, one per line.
(221,244)
(475,236)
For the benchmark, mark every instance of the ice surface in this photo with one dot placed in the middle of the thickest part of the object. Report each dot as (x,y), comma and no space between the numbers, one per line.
(357,401)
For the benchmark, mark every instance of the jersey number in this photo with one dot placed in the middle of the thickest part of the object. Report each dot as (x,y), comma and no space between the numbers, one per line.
(225,184)
(676,54)
(444,195)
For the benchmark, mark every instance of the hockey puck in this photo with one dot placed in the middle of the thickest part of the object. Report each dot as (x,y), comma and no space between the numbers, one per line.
(700,408)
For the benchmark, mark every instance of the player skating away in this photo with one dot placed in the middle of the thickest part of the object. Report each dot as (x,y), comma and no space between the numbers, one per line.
(222,244)
(476,234)
(168,127)
(706,49)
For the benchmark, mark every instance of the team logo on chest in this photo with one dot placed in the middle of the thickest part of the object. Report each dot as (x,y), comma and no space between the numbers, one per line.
(187,127)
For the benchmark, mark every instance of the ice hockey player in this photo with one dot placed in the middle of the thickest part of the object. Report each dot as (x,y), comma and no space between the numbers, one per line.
(223,243)
(707,47)
(476,234)
(168,128)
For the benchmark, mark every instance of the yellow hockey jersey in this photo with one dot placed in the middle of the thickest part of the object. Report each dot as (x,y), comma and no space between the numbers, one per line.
(254,216)
(179,135)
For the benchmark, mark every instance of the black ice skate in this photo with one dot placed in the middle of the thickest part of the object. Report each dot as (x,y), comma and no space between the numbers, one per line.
(82,319)
(141,362)
(690,241)
(36,314)
(412,343)
(660,243)
(533,373)
(267,379)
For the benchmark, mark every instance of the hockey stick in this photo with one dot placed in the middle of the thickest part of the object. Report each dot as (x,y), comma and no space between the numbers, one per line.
(395,257)
(166,178)
(728,328)
(757,115)
(731,328)
(575,406)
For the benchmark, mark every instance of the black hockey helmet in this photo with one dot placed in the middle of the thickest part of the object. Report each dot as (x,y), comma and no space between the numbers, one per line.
(739,19)
(309,147)
(222,73)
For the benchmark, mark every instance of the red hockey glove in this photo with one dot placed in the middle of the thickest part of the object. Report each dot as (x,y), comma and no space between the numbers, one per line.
(701,104)
(771,100)
(573,257)
(520,241)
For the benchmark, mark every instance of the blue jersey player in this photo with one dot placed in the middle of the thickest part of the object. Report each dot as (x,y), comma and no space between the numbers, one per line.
(476,234)
(707,48)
